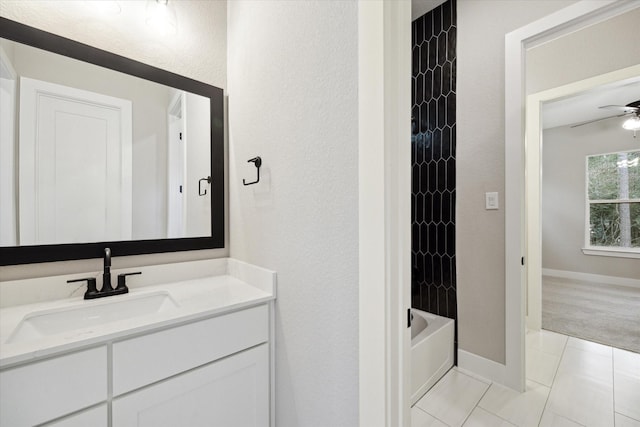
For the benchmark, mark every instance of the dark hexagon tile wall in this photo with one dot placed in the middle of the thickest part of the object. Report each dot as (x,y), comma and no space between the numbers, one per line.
(433,158)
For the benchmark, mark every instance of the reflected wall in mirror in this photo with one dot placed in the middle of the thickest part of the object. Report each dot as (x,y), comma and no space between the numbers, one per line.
(97,149)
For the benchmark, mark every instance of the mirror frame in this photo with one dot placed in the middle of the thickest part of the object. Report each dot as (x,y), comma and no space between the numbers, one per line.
(13,255)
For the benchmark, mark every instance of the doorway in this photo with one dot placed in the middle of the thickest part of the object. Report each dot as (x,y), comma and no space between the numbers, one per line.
(583,275)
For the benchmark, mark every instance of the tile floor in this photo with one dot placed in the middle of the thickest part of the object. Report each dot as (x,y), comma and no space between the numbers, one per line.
(570,382)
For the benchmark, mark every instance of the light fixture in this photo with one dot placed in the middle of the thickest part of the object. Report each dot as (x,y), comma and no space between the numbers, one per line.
(161,18)
(633,124)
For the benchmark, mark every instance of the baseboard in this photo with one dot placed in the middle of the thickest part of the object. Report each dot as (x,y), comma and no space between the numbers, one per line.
(597,278)
(481,367)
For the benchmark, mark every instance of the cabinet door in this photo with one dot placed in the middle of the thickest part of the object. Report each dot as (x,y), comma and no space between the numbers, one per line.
(42,391)
(231,392)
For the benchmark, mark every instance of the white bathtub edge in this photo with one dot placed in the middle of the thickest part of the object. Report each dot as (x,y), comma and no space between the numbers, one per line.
(435,343)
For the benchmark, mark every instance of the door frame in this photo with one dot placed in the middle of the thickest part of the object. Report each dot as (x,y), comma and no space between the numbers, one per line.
(384,211)
(176,110)
(8,157)
(570,19)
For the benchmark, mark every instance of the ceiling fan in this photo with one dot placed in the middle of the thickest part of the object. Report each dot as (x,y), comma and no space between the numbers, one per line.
(631,109)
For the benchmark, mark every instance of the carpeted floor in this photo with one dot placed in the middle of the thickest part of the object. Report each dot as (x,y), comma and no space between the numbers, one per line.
(606,314)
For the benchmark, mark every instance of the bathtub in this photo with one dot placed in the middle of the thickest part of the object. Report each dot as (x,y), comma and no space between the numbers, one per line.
(431,351)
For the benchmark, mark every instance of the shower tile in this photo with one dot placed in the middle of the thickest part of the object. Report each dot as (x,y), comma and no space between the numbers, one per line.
(451,242)
(442,235)
(432,238)
(433,107)
(433,157)
(419,209)
(442,117)
(437,77)
(433,299)
(451,174)
(446,209)
(441,168)
(446,142)
(446,78)
(433,52)
(451,44)
(428,26)
(437,207)
(437,269)
(451,110)
(428,209)
(437,20)
(437,144)
(452,311)
(424,57)
(415,60)
(442,48)
(446,15)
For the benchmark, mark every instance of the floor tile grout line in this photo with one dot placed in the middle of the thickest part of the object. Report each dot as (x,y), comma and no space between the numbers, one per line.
(431,415)
(477,403)
(553,380)
(613,383)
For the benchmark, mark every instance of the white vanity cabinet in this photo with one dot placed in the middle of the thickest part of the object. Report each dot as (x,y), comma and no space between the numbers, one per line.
(232,392)
(39,392)
(211,372)
(206,359)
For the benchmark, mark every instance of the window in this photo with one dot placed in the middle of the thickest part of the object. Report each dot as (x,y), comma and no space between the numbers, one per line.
(613,203)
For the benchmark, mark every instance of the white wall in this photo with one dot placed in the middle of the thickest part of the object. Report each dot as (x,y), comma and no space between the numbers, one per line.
(198,50)
(293,101)
(482,25)
(594,50)
(563,197)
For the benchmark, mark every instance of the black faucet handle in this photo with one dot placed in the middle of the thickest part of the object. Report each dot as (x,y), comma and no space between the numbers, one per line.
(122,279)
(92,290)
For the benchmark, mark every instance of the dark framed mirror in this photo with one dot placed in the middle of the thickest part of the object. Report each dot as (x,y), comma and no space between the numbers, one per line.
(98,150)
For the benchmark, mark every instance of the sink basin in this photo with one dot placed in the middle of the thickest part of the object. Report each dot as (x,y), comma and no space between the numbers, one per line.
(89,314)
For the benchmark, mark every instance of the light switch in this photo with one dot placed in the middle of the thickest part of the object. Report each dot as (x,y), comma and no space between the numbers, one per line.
(491,200)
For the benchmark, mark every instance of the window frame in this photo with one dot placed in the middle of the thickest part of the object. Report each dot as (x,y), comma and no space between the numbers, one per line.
(610,251)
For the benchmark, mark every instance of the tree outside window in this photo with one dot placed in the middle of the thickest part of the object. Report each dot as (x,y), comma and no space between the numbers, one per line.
(613,200)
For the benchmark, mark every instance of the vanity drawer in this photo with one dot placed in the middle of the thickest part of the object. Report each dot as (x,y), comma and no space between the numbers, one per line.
(41,391)
(153,357)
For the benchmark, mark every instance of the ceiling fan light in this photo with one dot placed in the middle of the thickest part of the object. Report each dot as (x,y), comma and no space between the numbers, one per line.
(632,124)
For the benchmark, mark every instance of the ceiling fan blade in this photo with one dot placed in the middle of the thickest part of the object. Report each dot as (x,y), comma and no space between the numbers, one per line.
(625,108)
(597,120)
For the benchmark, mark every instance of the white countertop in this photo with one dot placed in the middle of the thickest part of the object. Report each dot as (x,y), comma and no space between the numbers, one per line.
(227,285)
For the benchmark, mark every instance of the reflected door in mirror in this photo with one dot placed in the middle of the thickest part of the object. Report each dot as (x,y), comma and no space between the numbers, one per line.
(75,165)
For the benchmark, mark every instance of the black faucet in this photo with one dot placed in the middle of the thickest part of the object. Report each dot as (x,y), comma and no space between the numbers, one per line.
(106,272)
(107,289)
